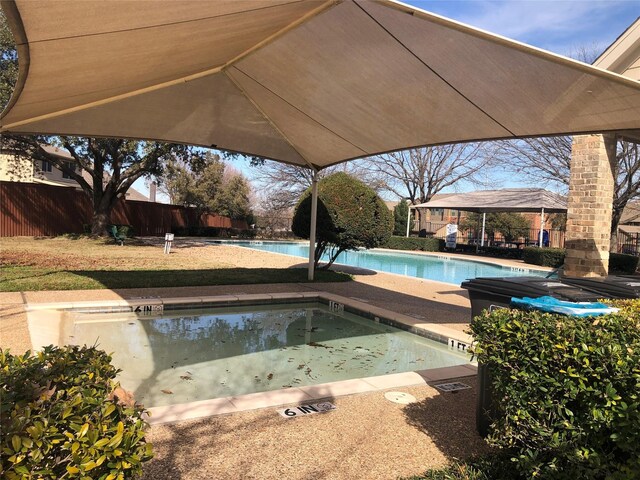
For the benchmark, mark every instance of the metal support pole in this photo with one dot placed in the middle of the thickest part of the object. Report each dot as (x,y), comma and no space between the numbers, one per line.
(314,219)
(408,220)
(484,219)
(541,226)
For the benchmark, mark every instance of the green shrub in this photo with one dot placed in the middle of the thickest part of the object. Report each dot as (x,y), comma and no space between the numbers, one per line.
(502,252)
(621,263)
(63,416)
(566,391)
(488,467)
(400,216)
(554,257)
(351,215)
(546,257)
(415,243)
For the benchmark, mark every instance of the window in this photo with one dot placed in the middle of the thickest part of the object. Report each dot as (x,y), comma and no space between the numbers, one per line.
(46,166)
(70,166)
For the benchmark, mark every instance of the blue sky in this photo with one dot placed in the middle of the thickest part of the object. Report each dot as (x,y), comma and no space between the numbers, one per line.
(560,26)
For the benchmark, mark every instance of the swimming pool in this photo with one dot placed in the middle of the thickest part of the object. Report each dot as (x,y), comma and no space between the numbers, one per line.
(182,356)
(430,267)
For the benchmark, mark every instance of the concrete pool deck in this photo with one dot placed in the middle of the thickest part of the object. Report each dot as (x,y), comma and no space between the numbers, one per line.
(365,437)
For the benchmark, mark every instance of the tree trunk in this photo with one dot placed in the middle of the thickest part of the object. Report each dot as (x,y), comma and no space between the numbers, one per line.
(332,259)
(99,222)
(615,221)
(102,207)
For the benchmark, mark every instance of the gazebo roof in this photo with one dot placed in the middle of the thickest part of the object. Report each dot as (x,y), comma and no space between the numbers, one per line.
(504,200)
(305,82)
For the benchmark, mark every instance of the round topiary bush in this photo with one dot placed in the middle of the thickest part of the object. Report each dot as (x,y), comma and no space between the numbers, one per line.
(351,215)
(63,416)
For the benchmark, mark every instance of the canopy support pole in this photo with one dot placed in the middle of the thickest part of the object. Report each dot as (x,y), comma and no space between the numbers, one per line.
(484,219)
(312,229)
(541,226)
(408,219)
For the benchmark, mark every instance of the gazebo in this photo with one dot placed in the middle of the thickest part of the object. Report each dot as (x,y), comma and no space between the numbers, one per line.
(504,200)
(311,83)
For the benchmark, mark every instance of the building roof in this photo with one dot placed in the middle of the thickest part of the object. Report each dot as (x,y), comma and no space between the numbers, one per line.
(58,152)
(306,82)
(504,200)
(631,213)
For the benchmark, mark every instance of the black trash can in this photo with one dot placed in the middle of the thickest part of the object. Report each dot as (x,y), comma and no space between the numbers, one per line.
(486,292)
(613,286)
(485,412)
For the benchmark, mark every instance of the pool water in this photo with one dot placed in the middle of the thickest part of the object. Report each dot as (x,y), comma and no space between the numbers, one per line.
(430,267)
(185,356)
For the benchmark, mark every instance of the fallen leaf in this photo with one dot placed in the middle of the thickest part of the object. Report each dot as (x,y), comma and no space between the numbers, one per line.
(168,392)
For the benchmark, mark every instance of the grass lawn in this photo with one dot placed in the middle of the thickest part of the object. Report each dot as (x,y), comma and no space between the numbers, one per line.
(78,264)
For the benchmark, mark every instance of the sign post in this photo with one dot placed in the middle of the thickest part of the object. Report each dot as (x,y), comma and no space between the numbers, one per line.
(452,234)
(168,241)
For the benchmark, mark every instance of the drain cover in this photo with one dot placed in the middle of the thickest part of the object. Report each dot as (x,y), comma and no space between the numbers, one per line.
(452,387)
(400,397)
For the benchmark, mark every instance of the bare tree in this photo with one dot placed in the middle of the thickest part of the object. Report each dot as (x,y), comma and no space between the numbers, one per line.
(546,160)
(282,184)
(419,173)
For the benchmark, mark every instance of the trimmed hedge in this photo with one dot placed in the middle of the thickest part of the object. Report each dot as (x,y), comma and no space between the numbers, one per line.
(566,391)
(415,243)
(501,252)
(554,257)
(622,263)
(545,257)
(63,416)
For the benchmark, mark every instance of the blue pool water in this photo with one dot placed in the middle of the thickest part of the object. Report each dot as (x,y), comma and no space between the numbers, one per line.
(441,269)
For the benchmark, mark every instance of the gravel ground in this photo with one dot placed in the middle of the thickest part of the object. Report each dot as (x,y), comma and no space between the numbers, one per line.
(366,437)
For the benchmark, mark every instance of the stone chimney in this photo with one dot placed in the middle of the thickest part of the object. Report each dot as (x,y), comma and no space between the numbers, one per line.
(152,192)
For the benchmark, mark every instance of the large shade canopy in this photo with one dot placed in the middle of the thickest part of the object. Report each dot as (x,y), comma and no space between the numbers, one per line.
(306,82)
(505,200)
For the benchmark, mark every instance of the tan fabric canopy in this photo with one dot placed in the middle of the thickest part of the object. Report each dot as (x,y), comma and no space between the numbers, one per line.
(504,200)
(305,82)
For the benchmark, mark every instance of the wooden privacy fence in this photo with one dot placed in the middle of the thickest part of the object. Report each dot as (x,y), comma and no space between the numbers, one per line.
(31,209)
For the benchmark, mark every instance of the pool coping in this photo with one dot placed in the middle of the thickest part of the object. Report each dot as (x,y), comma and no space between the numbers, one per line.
(455,339)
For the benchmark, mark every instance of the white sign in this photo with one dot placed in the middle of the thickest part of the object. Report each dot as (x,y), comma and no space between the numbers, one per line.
(168,240)
(302,410)
(452,234)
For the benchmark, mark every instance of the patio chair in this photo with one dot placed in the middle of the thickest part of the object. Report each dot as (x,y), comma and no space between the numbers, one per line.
(113,232)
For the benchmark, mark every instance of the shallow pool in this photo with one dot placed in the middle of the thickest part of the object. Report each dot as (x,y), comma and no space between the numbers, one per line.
(189,355)
(430,267)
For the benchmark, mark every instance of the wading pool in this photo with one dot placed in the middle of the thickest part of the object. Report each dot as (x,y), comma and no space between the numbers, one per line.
(177,356)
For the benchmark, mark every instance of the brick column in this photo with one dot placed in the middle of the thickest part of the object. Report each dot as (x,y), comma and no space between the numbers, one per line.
(591,189)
